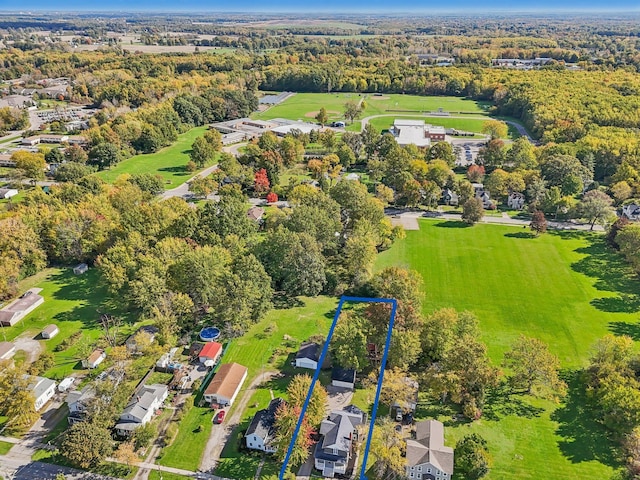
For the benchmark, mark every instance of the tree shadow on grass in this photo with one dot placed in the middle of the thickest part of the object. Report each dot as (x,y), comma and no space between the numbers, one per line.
(625,328)
(452,224)
(612,274)
(501,402)
(281,301)
(582,437)
(180,170)
(520,235)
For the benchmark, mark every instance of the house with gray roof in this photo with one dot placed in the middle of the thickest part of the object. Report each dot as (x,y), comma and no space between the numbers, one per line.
(42,390)
(261,431)
(78,402)
(427,456)
(141,408)
(334,454)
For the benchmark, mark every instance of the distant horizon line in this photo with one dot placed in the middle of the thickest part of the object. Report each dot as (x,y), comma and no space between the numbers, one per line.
(464,12)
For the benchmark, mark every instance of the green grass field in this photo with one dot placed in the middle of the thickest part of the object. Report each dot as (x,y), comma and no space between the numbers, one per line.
(71,302)
(566,288)
(302,105)
(253,350)
(170,162)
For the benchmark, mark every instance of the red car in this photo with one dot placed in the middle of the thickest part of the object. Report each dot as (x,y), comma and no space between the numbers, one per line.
(219,417)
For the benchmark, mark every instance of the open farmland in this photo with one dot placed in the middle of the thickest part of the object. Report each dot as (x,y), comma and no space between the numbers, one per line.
(566,288)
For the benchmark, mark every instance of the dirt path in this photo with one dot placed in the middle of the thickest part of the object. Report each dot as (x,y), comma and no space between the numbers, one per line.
(220,433)
(30,346)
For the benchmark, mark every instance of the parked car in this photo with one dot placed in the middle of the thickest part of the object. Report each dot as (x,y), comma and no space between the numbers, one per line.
(219,417)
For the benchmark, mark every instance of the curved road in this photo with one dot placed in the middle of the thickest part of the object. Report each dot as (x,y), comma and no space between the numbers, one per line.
(521,130)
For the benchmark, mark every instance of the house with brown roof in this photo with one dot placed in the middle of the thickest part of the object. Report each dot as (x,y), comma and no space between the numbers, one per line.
(427,456)
(19,308)
(95,359)
(256,214)
(7,350)
(226,384)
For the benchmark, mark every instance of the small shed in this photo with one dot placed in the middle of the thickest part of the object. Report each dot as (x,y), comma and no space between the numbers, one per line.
(6,193)
(95,359)
(80,269)
(50,331)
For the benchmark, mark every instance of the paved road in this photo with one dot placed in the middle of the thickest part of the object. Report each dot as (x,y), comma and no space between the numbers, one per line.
(220,434)
(490,219)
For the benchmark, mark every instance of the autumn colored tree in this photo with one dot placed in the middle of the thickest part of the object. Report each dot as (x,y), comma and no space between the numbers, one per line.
(272,197)
(538,222)
(261,182)
(297,393)
(472,211)
(321,117)
(475,173)
(495,129)
(285,424)
(32,164)
(126,453)
(387,447)
(534,369)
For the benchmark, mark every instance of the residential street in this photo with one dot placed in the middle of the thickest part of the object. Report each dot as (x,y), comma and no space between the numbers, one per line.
(221,433)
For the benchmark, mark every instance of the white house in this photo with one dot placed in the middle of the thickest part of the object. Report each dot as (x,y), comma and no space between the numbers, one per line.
(19,308)
(50,331)
(343,377)
(95,359)
(78,402)
(6,193)
(427,456)
(308,356)
(261,431)
(339,433)
(631,211)
(226,384)
(7,350)
(516,201)
(43,390)
(141,408)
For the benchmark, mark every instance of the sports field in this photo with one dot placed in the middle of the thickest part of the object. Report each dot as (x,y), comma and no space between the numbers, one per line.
(565,288)
(303,106)
(169,162)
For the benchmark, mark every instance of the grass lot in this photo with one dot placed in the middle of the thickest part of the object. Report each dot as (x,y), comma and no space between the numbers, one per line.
(298,105)
(5,447)
(186,450)
(565,288)
(71,302)
(170,162)
(256,350)
(110,469)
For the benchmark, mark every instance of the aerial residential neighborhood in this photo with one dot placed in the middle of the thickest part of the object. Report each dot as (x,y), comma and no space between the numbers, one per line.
(376,242)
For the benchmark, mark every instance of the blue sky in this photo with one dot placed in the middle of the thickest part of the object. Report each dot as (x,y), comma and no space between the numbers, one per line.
(329,6)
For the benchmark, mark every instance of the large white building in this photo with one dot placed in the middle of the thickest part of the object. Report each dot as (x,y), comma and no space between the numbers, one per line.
(43,390)
(141,408)
(416,132)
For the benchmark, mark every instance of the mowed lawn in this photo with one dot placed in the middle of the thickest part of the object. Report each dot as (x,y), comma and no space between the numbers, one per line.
(565,288)
(72,302)
(303,106)
(254,350)
(170,162)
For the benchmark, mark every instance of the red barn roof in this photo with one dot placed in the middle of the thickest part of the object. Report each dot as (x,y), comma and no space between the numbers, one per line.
(211,350)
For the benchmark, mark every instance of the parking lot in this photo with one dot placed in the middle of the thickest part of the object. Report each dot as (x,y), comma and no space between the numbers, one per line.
(467,152)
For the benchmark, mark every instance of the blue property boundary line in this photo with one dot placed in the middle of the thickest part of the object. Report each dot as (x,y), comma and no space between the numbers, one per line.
(323,354)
